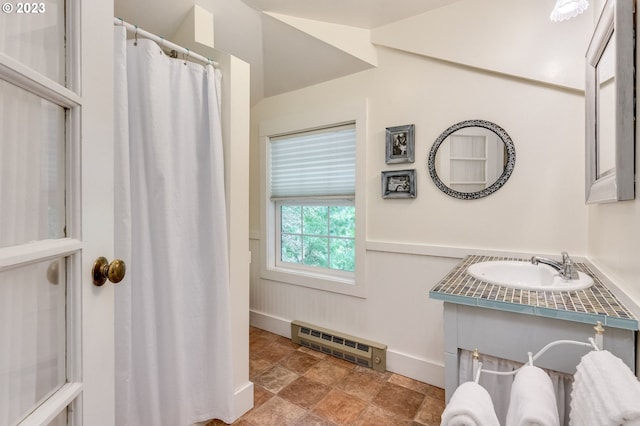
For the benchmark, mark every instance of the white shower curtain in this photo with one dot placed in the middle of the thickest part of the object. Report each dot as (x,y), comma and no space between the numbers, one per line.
(173,335)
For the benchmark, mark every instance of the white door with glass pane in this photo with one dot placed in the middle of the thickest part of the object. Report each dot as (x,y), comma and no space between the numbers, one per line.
(56,213)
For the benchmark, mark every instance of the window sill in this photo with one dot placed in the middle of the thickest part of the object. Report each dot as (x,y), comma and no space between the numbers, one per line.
(322,282)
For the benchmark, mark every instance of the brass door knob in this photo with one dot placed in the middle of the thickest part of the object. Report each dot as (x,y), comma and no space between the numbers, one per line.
(103,270)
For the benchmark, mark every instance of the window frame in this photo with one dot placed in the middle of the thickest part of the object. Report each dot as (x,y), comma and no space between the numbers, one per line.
(329,202)
(315,278)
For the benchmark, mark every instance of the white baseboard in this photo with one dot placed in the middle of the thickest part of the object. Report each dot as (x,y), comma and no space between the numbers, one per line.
(416,368)
(270,323)
(397,362)
(243,400)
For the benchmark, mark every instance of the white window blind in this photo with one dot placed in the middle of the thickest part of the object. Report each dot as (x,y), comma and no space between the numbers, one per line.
(316,163)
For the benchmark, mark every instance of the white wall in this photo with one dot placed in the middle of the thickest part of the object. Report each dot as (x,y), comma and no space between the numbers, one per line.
(412,244)
(614,236)
(235,135)
(512,37)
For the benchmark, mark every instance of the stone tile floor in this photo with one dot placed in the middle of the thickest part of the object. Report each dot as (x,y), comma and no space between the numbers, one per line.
(298,386)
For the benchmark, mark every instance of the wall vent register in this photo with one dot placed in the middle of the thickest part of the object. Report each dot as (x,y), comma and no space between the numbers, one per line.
(353,349)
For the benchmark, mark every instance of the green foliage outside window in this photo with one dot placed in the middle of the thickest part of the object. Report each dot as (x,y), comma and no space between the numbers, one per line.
(320,236)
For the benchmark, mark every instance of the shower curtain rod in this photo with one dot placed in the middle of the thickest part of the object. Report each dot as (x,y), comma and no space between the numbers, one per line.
(163,42)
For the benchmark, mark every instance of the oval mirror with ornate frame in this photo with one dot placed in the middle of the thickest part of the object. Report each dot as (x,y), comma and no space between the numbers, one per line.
(471,159)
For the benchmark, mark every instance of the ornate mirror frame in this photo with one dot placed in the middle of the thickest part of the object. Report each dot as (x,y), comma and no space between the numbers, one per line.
(615,23)
(502,179)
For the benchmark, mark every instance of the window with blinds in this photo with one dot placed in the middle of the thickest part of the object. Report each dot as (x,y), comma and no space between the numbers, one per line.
(318,163)
(312,185)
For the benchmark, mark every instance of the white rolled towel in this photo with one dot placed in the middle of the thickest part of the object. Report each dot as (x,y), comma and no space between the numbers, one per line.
(470,405)
(532,401)
(605,392)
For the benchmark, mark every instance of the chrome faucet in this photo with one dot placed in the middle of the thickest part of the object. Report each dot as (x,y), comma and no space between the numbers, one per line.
(566,269)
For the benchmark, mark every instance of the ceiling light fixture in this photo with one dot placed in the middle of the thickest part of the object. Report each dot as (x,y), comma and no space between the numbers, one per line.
(567,9)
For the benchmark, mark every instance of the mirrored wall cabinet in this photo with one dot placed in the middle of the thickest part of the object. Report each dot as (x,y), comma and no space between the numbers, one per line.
(609,93)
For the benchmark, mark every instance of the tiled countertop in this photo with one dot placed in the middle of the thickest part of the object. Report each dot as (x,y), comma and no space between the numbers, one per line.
(590,305)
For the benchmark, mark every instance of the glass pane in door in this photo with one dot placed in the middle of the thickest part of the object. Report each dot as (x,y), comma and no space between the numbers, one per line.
(34,34)
(32,336)
(32,160)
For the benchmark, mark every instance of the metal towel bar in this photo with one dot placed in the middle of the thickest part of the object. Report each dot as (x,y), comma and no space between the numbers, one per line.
(594,342)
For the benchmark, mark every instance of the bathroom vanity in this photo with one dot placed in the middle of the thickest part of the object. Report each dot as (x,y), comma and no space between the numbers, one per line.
(507,323)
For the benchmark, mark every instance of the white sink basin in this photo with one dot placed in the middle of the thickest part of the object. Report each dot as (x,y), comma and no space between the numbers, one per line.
(527,276)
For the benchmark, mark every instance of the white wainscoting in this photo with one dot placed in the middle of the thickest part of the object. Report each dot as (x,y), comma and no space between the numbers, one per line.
(396,311)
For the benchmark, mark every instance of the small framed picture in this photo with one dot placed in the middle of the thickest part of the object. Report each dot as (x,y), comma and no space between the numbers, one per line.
(400,144)
(399,184)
